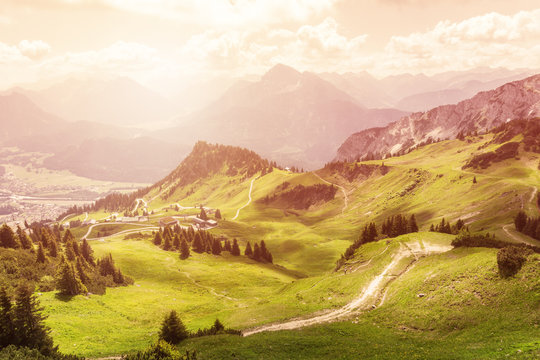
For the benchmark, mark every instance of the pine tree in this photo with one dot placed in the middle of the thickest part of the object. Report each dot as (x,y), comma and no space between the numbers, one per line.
(81,273)
(474,180)
(203,215)
(228,245)
(40,257)
(248,252)
(413,227)
(216,247)
(197,244)
(67,236)
(8,238)
(158,239)
(173,330)
(87,253)
(184,249)
(53,248)
(70,253)
(67,281)
(23,239)
(176,241)
(235,250)
(264,251)
(218,214)
(167,243)
(256,252)
(7,332)
(520,220)
(28,321)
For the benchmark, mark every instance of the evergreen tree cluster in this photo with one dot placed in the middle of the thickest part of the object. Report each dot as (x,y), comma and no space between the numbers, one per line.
(466,239)
(528,225)
(54,260)
(393,226)
(184,241)
(352,171)
(259,252)
(21,322)
(446,228)
(173,330)
(301,197)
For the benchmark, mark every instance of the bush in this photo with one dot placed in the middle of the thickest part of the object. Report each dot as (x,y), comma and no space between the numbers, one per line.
(510,260)
(161,351)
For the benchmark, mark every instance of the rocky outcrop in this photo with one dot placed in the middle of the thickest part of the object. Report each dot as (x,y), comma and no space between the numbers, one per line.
(486,110)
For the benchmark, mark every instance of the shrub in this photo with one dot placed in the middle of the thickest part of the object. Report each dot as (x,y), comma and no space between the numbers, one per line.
(161,351)
(510,260)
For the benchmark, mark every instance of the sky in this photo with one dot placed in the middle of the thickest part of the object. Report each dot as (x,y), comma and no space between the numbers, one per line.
(165,42)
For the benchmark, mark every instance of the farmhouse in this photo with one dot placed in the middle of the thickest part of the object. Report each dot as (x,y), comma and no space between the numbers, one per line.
(168,221)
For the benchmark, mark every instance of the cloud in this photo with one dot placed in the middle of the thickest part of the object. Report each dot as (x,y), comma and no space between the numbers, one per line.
(491,39)
(34,49)
(232,13)
(309,47)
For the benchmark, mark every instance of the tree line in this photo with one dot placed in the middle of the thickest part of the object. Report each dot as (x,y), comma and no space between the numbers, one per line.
(391,227)
(56,261)
(528,225)
(184,241)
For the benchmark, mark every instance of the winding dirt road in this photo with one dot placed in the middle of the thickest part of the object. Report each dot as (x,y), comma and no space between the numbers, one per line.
(345,196)
(249,200)
(368,296)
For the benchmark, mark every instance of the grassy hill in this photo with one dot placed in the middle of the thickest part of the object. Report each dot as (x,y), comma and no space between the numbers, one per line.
(461,287)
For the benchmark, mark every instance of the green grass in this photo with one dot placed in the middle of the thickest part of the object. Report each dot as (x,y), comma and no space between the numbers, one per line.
(454,320)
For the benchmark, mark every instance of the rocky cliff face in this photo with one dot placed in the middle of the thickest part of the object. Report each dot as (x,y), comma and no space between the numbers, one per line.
(515,100)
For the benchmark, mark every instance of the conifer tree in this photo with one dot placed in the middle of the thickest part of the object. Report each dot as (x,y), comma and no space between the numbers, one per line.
(23,239)
(218,214)
(53,248)
(235,250)
(173,330)
(70,253)
(167,243)
(248,252)
(81,273)
(67,236)
(28,320)
(228,245)
(216,247)
(184,249)
(87,253)
(8,238)
(256,252)
(158,239)
(40,256)
(176,242)
(7,332)
(197,244)
(67,281)
(413,227)
(203,215)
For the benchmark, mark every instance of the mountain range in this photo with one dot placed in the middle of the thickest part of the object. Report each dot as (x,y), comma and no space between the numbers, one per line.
(486,110)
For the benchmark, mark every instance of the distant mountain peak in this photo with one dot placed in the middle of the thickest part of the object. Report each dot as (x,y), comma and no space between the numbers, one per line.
(281,73)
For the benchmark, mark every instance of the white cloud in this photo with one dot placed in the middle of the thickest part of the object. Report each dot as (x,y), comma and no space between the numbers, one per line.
(34,49)
(310,47)
(488,40)
(235,13)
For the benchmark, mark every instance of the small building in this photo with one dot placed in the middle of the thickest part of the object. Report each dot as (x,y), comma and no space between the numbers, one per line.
(168,221)
(89,222)
(211,223)
(143,218)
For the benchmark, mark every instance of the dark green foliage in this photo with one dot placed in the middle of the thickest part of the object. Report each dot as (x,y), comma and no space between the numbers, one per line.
(161,350)
(30,331)
(353,171)
(235,250)
(301,197)
(474,180)
(87,252)
(7,330)
(216,329)
(528,225)
(466,239)
(528,128)
(40,256)
(197,244)
(202,214)
(68,281)
(446,228)
(413,227)
(173,330)
(8,239)
(248,251)
(510,260)
(216,247)
(25,242)
(184,249)
(503,152)
(218,214)
(13,352)
(208,159)
(158,239)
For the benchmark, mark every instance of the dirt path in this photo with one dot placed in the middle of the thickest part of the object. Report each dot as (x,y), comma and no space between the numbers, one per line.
(145,226)
(514,237)
(137,204)
(249,200)
(370,294)
(345,196)
(531,199)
